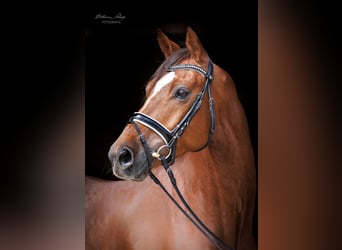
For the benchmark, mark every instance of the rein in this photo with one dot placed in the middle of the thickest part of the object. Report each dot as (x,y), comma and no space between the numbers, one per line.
(170,139)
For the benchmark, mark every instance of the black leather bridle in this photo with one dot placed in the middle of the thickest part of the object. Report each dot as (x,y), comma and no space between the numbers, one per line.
(170,138)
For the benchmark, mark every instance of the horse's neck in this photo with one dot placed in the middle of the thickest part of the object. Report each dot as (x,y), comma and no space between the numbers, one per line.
(221,177)
(209,173)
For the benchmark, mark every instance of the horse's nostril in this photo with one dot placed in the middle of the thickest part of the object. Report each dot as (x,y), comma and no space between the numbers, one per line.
(126,157)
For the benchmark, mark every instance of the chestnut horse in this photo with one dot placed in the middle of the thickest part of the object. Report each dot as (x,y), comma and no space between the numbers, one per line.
(206,150)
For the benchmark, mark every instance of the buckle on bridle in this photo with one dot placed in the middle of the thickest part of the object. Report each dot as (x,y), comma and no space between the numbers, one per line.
(157,154)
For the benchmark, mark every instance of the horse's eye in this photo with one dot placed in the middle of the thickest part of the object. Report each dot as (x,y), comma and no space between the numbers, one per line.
(182,93)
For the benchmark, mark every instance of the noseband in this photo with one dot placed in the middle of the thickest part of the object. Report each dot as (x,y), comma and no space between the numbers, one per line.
(170,137)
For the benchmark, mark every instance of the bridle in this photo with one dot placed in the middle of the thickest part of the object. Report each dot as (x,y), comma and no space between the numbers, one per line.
(170,138)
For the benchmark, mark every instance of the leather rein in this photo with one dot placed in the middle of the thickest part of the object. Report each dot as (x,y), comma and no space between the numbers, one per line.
(170,138)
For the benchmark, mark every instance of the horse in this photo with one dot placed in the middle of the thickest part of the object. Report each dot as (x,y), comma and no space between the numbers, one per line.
(191,137)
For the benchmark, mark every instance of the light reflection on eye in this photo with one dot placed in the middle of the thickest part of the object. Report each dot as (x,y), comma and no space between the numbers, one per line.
(182,93)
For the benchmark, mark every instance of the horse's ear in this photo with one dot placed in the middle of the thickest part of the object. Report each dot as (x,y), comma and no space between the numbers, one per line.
(166,45)
(195,47)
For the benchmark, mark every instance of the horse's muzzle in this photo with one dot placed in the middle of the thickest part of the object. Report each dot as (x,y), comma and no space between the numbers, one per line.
(128,164)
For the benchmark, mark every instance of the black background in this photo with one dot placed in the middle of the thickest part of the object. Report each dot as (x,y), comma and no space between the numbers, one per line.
(120,58)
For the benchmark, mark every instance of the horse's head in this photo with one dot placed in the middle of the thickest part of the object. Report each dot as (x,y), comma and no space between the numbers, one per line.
(173,98)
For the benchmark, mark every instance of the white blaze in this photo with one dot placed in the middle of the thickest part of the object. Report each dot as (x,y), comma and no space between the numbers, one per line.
(162,82)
